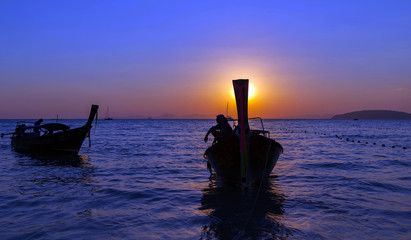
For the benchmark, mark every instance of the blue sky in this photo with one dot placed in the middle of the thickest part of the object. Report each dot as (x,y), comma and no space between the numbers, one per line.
(146,58)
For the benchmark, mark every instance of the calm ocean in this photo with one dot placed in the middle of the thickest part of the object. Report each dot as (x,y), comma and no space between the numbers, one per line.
(147,179)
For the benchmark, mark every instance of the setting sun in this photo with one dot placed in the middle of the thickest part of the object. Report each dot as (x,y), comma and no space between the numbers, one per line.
(251,92)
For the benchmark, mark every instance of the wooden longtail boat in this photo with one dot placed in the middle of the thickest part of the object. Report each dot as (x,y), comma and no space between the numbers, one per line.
(51,137)
(246,156)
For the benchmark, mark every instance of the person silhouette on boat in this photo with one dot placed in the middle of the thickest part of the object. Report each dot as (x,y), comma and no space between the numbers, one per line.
(36,129)
(221,130)
(20,130)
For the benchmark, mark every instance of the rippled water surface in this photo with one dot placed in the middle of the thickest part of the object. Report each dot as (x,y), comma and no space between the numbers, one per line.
(147,179)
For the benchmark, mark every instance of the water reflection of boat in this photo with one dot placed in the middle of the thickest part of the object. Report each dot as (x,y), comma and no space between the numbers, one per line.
(51,137)
(236,213)
(56,159)
(54,176)
(248,155)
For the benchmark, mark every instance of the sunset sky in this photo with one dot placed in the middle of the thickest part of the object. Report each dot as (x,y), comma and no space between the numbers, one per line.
(305,59)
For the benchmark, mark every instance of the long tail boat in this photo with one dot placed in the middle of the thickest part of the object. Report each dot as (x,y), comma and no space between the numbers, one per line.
(51,137)
(248,155)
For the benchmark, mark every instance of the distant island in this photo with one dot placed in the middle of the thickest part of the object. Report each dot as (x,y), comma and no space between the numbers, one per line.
(374,114)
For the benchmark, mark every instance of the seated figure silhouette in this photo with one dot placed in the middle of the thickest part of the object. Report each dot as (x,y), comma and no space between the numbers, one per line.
(36,129)
(221,130)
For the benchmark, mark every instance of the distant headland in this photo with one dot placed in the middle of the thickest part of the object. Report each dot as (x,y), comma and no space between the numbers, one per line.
(374,114)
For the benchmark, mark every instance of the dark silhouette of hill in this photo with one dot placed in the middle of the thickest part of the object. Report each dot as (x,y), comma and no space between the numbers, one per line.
(374,114)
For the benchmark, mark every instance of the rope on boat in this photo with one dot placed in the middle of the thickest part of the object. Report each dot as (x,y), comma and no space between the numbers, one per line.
(96,122)
(344,138)
(89,132)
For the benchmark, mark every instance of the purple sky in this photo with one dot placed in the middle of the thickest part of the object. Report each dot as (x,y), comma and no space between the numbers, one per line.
(147,58)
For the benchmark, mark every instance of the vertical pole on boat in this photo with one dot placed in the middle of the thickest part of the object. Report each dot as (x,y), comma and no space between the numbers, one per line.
(241,97)
(93,112)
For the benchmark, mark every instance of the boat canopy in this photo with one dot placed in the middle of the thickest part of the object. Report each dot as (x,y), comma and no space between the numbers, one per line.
(54,127)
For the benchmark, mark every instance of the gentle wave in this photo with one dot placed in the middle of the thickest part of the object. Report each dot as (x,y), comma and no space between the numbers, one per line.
(147,179)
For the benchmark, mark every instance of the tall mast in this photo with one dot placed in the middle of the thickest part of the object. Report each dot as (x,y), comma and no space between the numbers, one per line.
(241,97)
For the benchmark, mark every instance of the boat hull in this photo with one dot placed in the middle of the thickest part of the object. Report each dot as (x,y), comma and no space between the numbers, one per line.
(68,141)
(224,158)
(65,140)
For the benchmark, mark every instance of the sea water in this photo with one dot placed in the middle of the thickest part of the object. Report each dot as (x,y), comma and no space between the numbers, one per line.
(147,179)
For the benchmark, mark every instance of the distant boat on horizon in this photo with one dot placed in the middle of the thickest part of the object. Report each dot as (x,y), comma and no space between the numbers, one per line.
(108,115)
